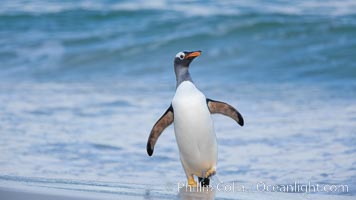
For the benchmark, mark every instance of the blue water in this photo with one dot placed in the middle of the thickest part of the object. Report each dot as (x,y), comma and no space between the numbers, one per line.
(82,83)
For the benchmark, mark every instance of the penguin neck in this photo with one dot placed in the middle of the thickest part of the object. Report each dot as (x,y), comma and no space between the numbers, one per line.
(182,74)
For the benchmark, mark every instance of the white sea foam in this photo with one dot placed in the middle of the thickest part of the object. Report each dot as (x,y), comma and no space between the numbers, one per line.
(313,7)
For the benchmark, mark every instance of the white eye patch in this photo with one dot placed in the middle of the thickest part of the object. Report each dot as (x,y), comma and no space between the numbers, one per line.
(180,55)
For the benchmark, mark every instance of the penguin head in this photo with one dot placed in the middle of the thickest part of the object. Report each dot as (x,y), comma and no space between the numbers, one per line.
(184,58)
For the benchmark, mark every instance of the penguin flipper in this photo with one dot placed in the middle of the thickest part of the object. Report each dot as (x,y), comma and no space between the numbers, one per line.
(225,109)
(158,128)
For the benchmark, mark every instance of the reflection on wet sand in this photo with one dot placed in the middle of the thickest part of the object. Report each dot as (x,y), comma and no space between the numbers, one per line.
(190,193)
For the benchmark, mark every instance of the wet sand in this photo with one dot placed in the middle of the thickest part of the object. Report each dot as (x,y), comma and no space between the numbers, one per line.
(43,193)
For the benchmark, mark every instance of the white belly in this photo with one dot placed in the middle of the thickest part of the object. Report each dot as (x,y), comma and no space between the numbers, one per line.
(194,130)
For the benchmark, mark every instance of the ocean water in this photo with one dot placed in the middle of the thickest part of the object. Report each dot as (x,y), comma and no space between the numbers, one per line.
(83,82)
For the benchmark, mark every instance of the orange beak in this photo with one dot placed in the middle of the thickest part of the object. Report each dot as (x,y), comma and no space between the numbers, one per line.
(193,54)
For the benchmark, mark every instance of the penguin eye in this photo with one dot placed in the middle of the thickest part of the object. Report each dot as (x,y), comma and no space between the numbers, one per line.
(180,55)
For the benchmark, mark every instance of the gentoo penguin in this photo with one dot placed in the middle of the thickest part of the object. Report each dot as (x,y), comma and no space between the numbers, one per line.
(190,111)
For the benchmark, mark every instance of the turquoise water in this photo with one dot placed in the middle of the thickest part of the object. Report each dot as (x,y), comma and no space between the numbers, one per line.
(82,83)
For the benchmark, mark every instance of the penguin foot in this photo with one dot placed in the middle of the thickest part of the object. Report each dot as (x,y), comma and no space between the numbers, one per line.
(210,172)
(192,182)
(204,182)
